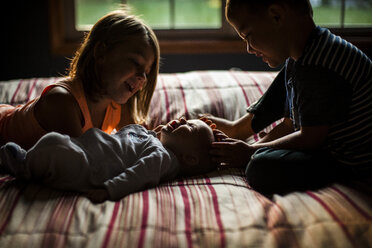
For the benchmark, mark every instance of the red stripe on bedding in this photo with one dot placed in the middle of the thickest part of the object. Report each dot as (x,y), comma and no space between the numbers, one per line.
(5,179)
(7,219)
(186,202)
(166,101)
(31,89)
(217,212)
(353,203)
(16,92)
(187,116)
(258,86)
(241,86)
(255,136)
(214,95)
(145,213)
(255,82)
(333,215)
(62,214)
(111,225)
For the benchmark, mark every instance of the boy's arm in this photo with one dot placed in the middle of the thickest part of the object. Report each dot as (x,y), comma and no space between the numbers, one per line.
(238,129)
(283,129)
(307,138)
(237,153)
(147,172)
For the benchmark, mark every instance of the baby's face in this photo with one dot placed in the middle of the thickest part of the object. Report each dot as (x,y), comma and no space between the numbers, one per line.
(185,135)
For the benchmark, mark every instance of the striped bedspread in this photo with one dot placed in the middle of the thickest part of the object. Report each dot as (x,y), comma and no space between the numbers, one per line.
(214,210)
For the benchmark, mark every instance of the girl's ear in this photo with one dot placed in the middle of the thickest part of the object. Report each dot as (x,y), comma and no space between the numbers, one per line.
(99,51)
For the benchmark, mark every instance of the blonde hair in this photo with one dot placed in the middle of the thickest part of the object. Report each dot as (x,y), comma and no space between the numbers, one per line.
(112,28)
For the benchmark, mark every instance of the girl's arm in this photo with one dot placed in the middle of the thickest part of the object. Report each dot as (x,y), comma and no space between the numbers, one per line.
(58,111)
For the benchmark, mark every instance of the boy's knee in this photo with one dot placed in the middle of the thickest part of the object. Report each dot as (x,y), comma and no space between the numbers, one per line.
(257,171)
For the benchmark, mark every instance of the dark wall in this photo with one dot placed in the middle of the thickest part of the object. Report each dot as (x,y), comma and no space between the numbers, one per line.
(26,51)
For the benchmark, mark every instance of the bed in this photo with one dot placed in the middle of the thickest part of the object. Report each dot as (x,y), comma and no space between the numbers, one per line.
(219,209)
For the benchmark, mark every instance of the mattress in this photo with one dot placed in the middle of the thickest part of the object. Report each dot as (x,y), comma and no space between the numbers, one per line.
(218,209)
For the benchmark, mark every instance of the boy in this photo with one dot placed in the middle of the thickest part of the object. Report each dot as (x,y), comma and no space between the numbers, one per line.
(323,93)
(112,166)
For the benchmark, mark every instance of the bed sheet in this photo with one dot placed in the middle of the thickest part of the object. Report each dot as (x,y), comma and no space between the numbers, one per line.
(218,209)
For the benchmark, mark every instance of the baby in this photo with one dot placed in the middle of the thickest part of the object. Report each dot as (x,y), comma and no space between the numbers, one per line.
(109,167)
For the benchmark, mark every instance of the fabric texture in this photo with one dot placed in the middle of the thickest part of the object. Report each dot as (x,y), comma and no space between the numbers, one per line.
(219,209)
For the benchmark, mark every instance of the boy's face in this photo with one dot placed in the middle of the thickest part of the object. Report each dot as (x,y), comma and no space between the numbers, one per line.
(263,32)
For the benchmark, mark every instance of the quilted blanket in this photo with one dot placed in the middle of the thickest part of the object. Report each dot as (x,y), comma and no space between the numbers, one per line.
(214,210)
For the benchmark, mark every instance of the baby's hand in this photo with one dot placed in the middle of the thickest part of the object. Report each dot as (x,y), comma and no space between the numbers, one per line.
(97,195)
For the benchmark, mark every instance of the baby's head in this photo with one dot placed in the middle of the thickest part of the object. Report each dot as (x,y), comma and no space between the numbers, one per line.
(191,141)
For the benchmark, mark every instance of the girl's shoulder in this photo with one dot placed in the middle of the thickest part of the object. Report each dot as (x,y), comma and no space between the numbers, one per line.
(58,110)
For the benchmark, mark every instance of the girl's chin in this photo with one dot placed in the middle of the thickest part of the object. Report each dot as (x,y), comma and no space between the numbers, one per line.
(123,98)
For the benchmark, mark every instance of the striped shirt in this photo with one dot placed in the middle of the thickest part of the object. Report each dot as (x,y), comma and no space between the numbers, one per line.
(331,84)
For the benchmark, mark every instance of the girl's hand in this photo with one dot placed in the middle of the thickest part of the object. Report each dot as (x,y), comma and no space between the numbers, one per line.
(224,125)
(97,195)
(157,130)
(232,152)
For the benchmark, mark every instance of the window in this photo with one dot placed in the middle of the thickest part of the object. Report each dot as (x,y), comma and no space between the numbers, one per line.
(162,14)
(198,25)
(171,19)
(343,13)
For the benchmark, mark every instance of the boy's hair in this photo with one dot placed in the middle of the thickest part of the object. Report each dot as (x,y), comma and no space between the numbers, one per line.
(117,26)
(303,6)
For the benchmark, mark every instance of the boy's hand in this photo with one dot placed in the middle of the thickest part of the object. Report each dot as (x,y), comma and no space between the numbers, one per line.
(232,152)
(219,135)
(97,195)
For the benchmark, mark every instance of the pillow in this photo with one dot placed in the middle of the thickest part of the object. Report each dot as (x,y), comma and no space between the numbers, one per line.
(225,94)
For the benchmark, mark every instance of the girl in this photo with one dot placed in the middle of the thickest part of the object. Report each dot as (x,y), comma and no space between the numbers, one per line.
(110,84)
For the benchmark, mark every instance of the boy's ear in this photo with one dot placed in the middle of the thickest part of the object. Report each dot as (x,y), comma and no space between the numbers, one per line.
(190,159)
(276,12)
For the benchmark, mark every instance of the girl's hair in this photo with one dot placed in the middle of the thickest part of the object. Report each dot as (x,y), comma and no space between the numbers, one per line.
(117,26)
(303,6)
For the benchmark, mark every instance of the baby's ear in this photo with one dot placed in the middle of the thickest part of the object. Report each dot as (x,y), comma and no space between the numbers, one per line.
(190,159)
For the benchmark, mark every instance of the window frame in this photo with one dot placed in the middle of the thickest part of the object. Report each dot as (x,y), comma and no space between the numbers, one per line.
(65,39)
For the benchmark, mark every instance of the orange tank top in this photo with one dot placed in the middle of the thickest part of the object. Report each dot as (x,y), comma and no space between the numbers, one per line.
(18,124)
